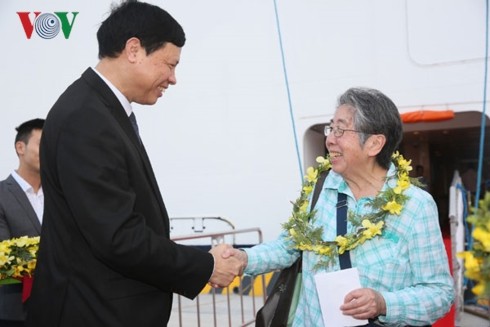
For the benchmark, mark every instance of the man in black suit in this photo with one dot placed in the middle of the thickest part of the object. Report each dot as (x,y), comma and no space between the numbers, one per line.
(21,211)
(105,257)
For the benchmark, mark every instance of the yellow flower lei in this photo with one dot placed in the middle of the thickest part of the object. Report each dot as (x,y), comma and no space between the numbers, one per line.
(306,237)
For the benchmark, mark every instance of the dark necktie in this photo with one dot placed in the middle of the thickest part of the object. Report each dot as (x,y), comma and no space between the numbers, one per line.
(132,119)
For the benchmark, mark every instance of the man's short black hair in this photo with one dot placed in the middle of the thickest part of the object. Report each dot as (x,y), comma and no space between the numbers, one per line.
(152,25)
(25,129)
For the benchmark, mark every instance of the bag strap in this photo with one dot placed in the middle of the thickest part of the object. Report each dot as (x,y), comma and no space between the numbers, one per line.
(314,199)
(344,258)
(318,189)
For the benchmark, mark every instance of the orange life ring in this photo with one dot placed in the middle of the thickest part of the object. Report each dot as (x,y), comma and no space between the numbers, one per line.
(426,116)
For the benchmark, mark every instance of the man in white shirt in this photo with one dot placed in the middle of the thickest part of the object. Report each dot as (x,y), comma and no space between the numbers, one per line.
(21,210)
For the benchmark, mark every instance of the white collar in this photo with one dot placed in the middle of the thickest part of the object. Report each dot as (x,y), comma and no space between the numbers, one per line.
(122,99)
(24,185)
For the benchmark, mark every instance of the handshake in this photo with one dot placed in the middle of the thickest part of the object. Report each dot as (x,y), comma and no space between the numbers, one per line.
(228,263)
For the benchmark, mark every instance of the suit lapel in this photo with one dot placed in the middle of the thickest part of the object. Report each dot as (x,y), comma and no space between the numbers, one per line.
(21,197)
(119,114)
(111,102)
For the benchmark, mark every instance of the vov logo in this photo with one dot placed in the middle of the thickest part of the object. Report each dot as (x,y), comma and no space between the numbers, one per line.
(47,25)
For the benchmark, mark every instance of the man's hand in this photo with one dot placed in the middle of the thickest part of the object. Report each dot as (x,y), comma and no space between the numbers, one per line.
(226,266)
(363,303)
(239,254)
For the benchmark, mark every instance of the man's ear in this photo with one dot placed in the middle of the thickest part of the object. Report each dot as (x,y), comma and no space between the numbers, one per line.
(20,147)
(132,48)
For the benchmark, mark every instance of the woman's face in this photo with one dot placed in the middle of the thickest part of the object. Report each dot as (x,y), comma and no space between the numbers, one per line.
(346,152)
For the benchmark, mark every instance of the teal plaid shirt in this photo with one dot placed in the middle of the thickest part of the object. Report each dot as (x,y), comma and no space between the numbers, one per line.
(408,264)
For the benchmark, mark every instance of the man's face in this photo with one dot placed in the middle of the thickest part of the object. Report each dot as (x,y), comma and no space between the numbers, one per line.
(154,73)
(29,153)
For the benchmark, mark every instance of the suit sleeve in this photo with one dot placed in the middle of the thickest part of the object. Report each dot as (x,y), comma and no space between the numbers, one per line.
(116,210)
(4,228)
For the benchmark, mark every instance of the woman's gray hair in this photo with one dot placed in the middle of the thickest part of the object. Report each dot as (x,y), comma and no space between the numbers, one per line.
(375,113)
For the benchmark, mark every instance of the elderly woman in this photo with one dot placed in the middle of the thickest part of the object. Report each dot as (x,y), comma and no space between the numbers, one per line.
(392,236)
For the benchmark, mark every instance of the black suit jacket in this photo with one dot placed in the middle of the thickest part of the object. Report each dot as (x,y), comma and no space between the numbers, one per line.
(17,218)
(105,256)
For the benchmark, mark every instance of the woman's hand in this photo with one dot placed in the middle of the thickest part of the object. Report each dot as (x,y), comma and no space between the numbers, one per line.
(363,303)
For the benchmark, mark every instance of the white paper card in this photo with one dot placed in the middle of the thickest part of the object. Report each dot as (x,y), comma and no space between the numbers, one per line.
(332,287)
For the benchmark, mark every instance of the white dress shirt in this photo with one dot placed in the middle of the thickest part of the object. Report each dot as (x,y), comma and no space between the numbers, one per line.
(36,199)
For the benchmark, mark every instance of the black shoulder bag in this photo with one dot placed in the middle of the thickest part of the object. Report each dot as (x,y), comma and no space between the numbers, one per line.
(275,311)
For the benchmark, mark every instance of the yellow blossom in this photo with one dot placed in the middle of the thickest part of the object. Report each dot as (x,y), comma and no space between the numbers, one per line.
(5,259)
(479,289)
(471,264)
(372,229)
(21,241)
(304,247)
(18,271)
(341,240)
(32,264)
(393,207)
(401,185)
(342,243)
(307,189)
(324,163)
(317,248)
(323,250)
(404,165)
(321,160)
(483,237)
(5,247)
(304,206)
(311,174)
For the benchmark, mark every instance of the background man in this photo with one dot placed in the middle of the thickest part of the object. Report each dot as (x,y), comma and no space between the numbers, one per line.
(21,210)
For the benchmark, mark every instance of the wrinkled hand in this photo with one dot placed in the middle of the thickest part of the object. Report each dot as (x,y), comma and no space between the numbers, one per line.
(363,303)
(226,267)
